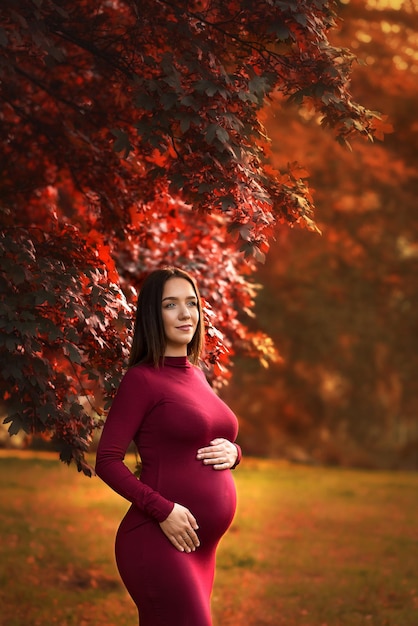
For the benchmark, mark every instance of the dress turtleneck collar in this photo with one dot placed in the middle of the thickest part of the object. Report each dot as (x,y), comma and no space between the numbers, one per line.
(176,361)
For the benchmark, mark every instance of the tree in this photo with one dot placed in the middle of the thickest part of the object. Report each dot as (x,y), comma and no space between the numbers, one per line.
(130,136)
(342,307)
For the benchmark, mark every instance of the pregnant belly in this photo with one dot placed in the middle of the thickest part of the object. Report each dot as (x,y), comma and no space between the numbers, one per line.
(209,494)
(214,503)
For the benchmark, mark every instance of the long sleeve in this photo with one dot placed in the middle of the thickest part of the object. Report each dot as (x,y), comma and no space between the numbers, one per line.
(131,404)
(239,456)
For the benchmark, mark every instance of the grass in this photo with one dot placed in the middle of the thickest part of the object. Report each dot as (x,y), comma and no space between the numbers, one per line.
(308,547)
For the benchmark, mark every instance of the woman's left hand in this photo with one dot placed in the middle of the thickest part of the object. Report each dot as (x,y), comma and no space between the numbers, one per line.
(221,454)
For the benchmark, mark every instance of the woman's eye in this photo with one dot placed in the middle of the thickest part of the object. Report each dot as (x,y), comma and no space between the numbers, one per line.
(192,303)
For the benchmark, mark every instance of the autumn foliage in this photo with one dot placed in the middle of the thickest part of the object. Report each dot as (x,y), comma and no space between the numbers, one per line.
(131,138)
(342,307)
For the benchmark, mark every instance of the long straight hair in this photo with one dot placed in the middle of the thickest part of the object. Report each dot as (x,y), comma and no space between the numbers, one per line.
(149,340)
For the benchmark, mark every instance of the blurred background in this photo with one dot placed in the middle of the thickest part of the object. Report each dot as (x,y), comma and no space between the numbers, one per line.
(342,307)
(311,545)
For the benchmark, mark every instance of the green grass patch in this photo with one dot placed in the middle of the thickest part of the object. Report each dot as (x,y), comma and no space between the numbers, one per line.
(308,547)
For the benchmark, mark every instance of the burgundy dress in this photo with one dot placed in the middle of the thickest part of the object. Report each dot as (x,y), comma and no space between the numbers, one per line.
(169,413)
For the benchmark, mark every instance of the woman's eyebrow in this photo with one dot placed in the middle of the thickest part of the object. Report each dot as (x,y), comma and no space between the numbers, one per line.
(175,298)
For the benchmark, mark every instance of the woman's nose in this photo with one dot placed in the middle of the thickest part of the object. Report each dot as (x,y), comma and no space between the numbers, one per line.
(184,312)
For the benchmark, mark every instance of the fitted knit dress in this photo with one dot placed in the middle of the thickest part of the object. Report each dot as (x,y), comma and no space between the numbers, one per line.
(169,412)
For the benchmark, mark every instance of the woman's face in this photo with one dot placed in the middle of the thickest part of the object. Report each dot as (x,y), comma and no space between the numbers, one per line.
(180,315)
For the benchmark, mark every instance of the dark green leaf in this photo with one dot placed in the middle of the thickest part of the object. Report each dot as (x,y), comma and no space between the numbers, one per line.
(72,352)
(122,143)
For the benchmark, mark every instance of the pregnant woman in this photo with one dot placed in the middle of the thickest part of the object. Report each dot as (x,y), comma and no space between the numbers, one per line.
(185,499)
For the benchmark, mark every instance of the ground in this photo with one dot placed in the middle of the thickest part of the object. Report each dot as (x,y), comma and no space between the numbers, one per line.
(309,546)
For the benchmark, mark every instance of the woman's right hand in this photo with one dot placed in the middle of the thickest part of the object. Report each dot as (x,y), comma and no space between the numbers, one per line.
(180,528)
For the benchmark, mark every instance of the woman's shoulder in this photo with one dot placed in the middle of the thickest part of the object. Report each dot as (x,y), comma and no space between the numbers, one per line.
(200,372)
(141,379)
(136,374)
(140,370)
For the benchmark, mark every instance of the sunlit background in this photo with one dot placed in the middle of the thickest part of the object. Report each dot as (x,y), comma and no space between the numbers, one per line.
(343,307)
(326,528)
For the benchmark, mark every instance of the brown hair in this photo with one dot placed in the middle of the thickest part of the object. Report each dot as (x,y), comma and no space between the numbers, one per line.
(149,342)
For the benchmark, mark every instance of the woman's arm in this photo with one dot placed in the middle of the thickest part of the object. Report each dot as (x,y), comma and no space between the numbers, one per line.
(131,404)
